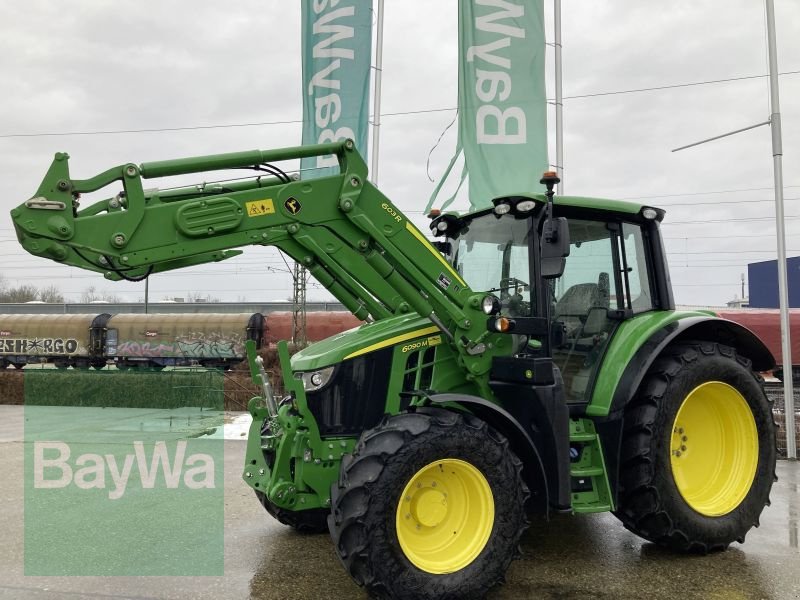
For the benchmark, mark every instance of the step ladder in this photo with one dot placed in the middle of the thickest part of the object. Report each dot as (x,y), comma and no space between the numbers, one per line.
(590,488)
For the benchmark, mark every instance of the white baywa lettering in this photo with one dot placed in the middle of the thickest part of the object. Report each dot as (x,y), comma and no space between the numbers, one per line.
(323,49)
(96,469)
(90,469)
(494,79)
(320,5)
(172,473)
(513,114)
(40,463)
(327,108)
(206,470)
(491,86)
(318,79)
(120,479)
(508,11)
(330,31)
(485,51)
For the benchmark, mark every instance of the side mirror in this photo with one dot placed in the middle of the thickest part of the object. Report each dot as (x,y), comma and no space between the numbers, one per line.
(554,247)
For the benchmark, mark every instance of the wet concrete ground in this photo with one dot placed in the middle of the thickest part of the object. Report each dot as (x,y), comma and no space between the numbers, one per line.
(579,557)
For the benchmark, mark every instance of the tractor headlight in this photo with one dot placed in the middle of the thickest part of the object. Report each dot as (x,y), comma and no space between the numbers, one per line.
(490,305)
(524,206)
(314,380)
(649,213)
(502,208)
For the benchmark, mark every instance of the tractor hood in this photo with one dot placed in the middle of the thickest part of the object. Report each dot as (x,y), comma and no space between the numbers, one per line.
(362,340)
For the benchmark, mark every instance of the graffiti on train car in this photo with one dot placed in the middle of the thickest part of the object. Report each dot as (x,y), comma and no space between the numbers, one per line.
(196,345)
(39,346)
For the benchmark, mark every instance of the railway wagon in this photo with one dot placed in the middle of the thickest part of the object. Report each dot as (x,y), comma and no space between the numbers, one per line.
(766,324)
(319,325)
(64,340)
(156,341)
(127,340)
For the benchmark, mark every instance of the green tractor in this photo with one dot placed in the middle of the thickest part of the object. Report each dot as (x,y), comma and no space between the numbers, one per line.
(530,360)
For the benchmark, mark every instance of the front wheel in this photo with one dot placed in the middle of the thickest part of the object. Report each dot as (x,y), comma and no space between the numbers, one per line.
(430,505)
(314,520)
(698,450)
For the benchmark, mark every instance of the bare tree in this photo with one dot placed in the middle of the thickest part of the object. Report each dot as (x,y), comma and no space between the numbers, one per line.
(199,297)
(91,294)
(51,294)
(23,293)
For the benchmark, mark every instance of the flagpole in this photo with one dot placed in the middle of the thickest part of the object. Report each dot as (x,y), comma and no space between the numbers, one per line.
(777,161)
(376,101)
(559,98)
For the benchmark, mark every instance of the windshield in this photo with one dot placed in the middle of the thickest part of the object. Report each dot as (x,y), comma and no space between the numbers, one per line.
(491,254)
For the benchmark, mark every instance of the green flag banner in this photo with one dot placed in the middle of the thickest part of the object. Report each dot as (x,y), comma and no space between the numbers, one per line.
(337,49)
(501,99)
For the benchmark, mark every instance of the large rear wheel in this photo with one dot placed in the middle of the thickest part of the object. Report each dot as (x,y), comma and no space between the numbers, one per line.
(698,450)
(430,505)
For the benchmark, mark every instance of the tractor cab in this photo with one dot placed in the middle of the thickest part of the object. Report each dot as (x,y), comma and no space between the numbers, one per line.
(564,292)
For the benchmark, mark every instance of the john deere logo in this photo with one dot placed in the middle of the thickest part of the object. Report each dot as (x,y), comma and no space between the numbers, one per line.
(292,205)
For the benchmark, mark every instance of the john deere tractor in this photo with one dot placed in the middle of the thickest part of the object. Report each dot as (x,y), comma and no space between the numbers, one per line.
(529,360)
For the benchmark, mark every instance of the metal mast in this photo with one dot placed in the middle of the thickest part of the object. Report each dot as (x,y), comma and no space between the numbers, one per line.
(299,278)
(774,122)
(783,287)
(559,99)
(376,100)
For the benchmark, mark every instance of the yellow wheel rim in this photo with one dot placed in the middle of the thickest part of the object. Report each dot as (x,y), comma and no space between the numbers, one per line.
(445,516)
(714,449)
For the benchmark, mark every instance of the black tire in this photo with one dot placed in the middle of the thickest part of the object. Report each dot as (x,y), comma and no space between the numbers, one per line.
(311,521)
(650,501)
(366,499)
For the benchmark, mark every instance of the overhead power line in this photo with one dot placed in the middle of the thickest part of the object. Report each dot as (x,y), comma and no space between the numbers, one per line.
(387,114)
(676,85)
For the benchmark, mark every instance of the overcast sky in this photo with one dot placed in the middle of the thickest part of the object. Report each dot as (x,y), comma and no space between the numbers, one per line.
(106,66)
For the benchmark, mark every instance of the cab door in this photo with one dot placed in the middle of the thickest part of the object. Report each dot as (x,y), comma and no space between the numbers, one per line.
(605,281)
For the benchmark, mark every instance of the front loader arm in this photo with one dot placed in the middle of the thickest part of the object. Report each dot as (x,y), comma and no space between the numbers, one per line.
(349,236)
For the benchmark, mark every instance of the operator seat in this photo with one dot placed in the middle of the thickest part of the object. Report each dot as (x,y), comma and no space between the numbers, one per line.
(583,311)
(572,308)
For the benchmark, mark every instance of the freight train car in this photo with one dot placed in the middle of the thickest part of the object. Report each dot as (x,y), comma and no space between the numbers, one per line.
(158,341)
(64,340)
(766,324)
(128,340)
(319,325)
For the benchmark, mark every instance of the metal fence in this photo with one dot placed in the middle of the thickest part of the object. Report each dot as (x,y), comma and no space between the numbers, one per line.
(775,393)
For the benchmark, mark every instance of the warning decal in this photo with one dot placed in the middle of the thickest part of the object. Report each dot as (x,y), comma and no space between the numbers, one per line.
(256,208)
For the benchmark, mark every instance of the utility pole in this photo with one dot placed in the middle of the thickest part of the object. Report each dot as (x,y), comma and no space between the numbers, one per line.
(376,100)
(783,287)
(299,279)
(774,122)
(559,98)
